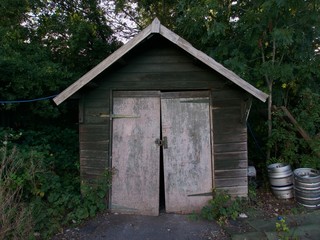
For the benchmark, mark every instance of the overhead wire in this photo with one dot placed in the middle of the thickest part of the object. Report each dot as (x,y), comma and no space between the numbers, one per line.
(27,100)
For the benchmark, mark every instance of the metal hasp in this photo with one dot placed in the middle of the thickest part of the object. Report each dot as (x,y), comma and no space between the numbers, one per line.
(163,142)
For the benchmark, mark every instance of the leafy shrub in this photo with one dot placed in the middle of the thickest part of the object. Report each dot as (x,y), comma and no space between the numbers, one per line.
(286,143)
(15,217)
(222,207)
(45,180)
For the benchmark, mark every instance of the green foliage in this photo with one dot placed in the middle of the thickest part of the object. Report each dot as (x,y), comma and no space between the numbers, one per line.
(142,12)
(252,192)
(15,218)
(261,42)
(46,180)
(288,146)
(283,230)
(222,207)
(44,47)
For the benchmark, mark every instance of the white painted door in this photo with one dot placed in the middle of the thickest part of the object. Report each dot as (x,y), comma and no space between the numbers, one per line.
(187,159)
(135,156)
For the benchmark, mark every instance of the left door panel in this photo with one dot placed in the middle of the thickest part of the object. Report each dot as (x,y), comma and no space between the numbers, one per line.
(135,156)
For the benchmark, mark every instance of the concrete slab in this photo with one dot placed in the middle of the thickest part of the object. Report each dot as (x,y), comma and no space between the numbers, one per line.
(304,226)
(137,227)
(262,224)
(249,236)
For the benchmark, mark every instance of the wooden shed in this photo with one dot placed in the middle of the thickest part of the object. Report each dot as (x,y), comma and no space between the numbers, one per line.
(168,119)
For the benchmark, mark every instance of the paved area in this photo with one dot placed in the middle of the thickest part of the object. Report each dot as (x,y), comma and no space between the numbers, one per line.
(302,226)
(135,227)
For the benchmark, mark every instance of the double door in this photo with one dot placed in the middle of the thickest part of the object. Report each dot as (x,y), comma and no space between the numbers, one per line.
(147,126)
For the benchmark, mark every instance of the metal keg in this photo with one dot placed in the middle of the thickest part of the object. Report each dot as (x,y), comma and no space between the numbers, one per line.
(283,192)
(280,177)
(307,187)
(280,174)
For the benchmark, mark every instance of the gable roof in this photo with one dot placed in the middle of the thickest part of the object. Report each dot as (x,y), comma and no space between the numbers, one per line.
(157,27)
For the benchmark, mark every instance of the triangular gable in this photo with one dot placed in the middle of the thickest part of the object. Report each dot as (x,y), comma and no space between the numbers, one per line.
(156,27)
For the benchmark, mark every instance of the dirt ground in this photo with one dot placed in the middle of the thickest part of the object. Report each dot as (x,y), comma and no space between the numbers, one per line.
(177,227)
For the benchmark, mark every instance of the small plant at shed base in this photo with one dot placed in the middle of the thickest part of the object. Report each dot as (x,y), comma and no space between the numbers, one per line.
(93,196)
(222,208)
(283,231)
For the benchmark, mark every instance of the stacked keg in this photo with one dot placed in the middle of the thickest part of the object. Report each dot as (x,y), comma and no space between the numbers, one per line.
(307,187)
(281,180)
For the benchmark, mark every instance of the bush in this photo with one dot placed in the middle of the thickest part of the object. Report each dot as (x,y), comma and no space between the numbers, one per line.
(286,143)
(40,170)
(222,207)
(15,217)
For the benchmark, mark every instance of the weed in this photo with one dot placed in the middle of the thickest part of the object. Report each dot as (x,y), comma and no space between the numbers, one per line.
(222,207)
(283,231)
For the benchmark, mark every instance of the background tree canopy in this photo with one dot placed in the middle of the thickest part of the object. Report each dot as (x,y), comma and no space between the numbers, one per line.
(45,46)
(272,44)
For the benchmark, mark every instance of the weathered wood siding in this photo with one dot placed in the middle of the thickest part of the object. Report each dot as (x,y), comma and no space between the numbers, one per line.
(94,133)
(230,142)
(159,65)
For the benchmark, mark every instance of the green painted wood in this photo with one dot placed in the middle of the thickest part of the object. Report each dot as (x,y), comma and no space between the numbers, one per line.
(163,80)
(233,173)
(227,147)
(230,164)
(225,156)
(94,163)
(231,182)
(236,191)
(95,146)
(94,154)
(91,173)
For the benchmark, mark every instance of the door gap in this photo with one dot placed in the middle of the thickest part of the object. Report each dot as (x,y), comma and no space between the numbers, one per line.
(162,200)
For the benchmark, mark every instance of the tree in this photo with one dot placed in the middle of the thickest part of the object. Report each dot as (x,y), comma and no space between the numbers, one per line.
(269,43)
(272,44)
(141,13)
(45,46)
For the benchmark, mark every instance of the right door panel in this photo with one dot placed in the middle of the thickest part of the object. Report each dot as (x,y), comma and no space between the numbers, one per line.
(187,160)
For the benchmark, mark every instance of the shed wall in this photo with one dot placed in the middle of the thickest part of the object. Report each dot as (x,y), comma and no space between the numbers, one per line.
(162,66)
(230,142)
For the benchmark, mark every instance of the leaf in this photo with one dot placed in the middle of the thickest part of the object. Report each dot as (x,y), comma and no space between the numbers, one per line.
(82,213)
(283,36)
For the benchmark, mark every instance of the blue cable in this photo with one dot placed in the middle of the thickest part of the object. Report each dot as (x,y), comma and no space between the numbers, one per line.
(27,101)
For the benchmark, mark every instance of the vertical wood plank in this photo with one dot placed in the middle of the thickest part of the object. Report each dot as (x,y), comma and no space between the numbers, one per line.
(187,160)
(135,156)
